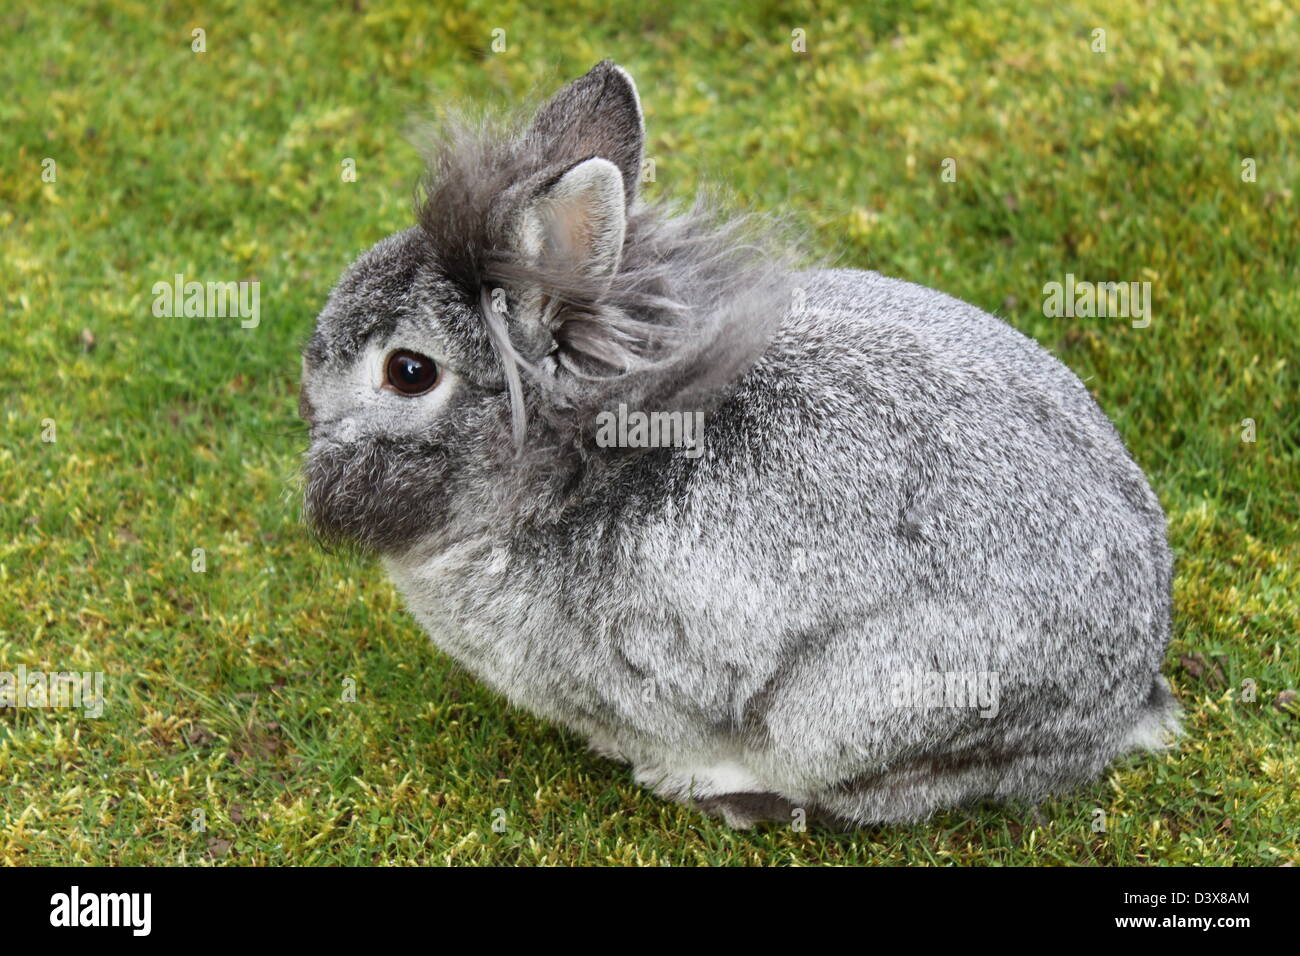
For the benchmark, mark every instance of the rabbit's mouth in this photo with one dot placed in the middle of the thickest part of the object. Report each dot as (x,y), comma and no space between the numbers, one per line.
(306,410)
(333,431)
(377,493)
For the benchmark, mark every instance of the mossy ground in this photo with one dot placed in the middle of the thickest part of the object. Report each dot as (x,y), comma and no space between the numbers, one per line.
(176,434)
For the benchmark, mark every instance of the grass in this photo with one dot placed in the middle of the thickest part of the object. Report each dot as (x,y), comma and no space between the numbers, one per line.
(224,687)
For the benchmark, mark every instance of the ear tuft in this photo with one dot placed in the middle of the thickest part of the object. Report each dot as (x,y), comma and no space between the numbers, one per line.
(598,114)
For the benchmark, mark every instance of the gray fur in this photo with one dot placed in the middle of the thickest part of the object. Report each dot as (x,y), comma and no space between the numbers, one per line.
(892,482)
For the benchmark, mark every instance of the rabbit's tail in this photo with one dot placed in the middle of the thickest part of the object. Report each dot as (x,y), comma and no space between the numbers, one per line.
(1158,724)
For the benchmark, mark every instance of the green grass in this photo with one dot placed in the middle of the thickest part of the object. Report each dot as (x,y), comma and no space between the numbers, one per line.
(173,434)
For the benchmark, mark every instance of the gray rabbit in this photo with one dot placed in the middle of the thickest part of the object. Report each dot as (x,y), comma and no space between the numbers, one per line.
(905,564)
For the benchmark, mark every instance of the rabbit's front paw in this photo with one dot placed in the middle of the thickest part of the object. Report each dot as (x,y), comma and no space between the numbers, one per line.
(697,780)
(607,748)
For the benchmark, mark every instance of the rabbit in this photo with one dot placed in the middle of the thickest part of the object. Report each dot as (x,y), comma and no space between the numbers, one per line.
(909,567)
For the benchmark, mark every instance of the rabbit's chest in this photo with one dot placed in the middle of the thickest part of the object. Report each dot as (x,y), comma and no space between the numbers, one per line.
(506,626)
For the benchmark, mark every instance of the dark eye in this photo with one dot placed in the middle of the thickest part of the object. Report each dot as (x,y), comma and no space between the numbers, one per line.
(411,373)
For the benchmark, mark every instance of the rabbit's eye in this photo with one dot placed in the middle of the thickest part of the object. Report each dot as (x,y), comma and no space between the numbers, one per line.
(411,373)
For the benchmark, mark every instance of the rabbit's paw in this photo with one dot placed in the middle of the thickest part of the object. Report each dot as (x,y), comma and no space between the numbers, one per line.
(697,780)
(607,748)
(741,811)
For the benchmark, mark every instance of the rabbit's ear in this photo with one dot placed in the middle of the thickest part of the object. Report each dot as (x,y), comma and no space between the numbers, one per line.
(598,115)
(576,226)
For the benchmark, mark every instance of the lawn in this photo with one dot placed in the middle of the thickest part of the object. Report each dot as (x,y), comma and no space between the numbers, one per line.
(1170,158)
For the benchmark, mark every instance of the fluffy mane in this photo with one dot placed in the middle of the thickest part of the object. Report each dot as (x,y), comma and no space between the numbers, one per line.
(694,300)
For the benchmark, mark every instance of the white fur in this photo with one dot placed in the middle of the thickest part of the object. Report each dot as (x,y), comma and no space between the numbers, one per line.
(1155,730)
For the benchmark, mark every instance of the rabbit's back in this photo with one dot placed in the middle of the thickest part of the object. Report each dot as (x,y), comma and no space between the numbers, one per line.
(913,440)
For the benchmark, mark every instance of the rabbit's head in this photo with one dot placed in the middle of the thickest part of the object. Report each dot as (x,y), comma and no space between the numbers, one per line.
(459,360)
